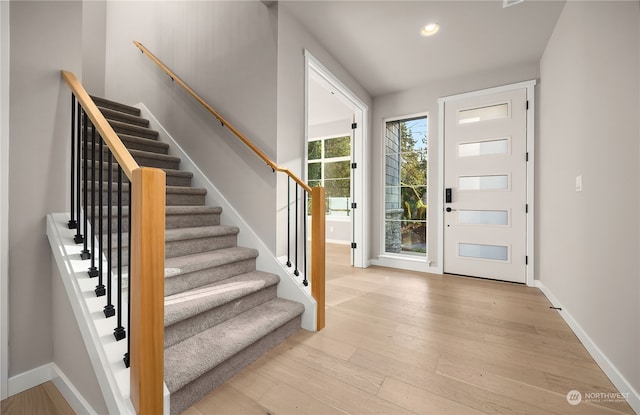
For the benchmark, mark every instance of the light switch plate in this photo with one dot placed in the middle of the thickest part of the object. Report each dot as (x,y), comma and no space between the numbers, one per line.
(579,183)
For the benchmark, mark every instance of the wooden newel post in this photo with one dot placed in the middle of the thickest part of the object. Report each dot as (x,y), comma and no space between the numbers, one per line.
(318,252)
(146,282)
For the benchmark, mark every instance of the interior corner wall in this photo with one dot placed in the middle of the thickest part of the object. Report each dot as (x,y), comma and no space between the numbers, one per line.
(94,21)
(45,38)
(588,242)
(226,52)
(417,101)
(293,40)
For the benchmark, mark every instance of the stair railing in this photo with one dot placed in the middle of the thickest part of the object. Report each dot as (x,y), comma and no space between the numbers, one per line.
(95,147)
(315,194)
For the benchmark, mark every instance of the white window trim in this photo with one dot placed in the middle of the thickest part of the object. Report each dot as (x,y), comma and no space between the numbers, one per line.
(393,260)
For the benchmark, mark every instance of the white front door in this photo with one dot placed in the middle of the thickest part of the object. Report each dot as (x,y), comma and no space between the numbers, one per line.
(485,181)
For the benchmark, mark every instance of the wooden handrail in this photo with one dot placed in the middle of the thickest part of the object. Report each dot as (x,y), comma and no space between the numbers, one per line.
(221,119)
(120,152)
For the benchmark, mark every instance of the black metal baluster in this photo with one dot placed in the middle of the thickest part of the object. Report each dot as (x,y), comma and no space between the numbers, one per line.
(93,271)
(85,254)
(305,282)
(109,311)
(296,272)
(100,289)
(119,332)
(72,220)
(78,238)
(126,359)
(289,221)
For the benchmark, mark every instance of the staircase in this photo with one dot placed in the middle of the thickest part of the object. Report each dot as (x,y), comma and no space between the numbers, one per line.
(220,312)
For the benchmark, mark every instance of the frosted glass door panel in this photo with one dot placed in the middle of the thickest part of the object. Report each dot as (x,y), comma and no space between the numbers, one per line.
(500,182)
(493,252)
(483,148)
(483,217)
(490,112)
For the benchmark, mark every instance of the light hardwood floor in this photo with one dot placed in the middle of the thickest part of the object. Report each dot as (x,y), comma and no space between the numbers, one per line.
(410,343)
(407,343)
(44,399)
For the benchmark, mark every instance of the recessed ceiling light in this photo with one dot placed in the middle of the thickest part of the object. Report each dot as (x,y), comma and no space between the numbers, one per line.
(430,29)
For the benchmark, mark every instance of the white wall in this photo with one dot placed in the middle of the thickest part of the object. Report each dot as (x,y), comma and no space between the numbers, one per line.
(417,101)
(293,39)
(588,242)
(226,52)
(45,38)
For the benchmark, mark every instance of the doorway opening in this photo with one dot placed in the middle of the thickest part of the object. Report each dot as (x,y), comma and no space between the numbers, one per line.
(335,132)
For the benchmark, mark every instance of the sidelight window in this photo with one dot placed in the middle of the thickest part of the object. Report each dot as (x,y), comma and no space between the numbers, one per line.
(406,158)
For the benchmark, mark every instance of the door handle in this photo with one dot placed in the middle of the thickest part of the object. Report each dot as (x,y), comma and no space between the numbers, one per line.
(450,210)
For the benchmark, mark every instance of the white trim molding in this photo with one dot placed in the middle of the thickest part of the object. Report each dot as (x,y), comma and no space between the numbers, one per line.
(618,380)
(4,198)
(529,86)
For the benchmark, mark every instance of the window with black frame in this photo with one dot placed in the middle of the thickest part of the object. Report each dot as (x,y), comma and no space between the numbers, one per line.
(329,165)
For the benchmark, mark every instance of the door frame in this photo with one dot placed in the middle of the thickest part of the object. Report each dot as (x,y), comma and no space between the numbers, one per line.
(529,86)
(360,137)
(4,199)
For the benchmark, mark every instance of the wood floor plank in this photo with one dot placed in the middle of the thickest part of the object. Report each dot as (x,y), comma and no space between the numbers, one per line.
(286,399)
(33,401)
(544,399)
(61,405)
(421,401)
(228,400)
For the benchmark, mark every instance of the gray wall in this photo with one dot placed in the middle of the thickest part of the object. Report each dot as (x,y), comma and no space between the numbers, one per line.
(293,39)
(588,242)
(69,351)
(39,125)
(421,100)
(226,52)
(94,22)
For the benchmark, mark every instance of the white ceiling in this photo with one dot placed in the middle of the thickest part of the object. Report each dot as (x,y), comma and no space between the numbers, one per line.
(379,45)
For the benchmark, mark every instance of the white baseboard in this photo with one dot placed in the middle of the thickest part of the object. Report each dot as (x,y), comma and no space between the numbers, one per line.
(29,379)
(70,393)
(618,380)
(51,372)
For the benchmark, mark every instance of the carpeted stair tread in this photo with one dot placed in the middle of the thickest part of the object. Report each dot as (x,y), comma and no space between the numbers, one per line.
(170,210)
(186,234)
(181,234)
(209,259)
(107,103)
(115,115)
(131,129)
(133,142)
(151,155)
(181,306)
(178,174)
(169,189)
(195,356)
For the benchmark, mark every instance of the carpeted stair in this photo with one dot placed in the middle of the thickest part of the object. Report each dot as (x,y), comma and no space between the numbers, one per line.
(220,312)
